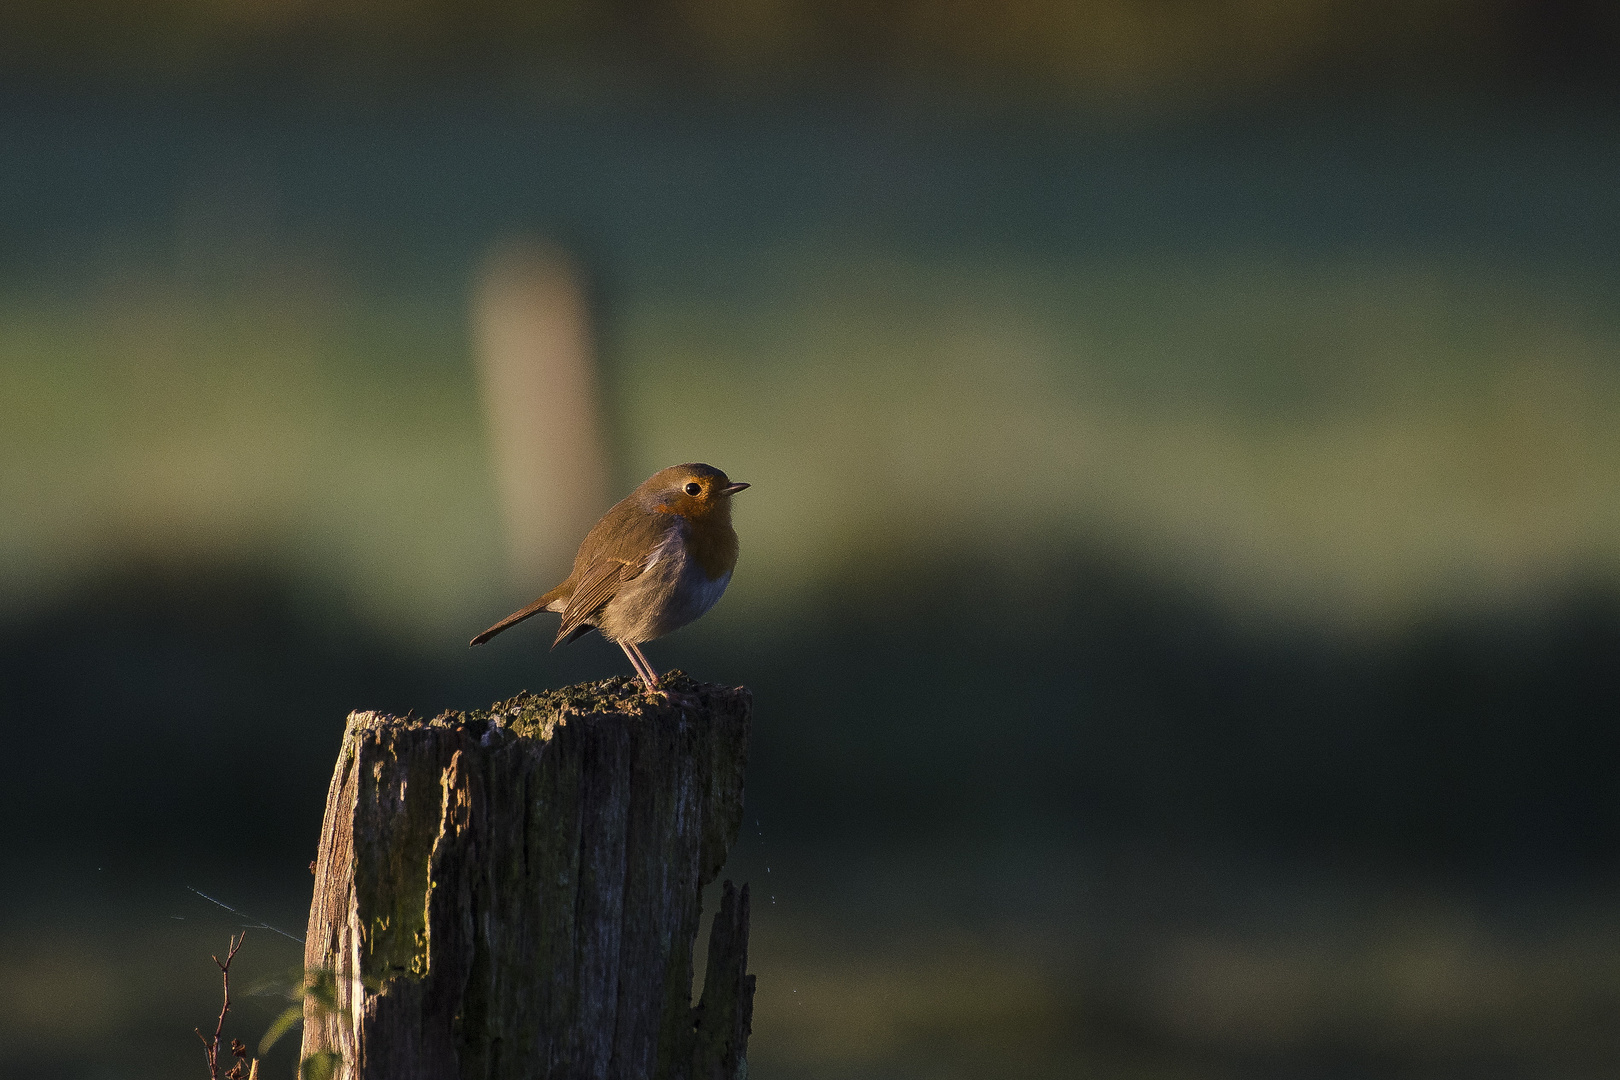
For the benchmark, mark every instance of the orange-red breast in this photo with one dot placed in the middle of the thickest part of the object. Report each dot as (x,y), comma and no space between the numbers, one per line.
(655,562)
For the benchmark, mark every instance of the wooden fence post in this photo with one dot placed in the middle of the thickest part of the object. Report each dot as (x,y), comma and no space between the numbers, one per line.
(516,893)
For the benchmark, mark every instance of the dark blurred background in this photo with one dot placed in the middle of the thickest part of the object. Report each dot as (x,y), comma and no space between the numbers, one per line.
(1181,582)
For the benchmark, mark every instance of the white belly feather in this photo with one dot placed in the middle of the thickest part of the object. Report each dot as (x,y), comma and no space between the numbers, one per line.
(669,593)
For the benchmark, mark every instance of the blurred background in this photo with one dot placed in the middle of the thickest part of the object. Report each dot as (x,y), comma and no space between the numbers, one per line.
(1181,582)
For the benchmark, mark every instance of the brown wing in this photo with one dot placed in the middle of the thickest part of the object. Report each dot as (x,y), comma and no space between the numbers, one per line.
(598,585)
(616,550)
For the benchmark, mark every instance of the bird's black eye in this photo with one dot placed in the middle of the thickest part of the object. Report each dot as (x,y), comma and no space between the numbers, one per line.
(694,489)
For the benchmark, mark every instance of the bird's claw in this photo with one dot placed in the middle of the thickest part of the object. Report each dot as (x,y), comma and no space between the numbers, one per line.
(667,696)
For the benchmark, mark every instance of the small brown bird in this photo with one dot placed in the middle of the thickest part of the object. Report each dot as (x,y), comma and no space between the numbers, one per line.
(656,561)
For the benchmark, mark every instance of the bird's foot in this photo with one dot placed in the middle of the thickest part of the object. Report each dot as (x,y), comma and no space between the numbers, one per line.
(666,696)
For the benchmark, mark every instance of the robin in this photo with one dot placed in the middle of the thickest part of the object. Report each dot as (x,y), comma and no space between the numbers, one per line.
(656,561)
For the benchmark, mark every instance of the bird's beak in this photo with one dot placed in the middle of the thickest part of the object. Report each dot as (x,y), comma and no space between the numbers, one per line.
(732,489)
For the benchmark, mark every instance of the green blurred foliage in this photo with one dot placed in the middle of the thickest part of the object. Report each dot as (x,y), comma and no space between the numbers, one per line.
(1347,442)
(314,989)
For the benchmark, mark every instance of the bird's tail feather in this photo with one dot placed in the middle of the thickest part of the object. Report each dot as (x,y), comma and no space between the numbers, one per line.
(577,632)
(542,604)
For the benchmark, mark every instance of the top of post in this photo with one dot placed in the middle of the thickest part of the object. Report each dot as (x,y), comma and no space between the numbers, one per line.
(537,715)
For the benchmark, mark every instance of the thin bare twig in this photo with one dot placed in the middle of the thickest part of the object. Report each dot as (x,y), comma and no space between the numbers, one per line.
(211,1049)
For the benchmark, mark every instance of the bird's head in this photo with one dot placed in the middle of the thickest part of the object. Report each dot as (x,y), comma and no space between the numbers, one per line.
(692,491)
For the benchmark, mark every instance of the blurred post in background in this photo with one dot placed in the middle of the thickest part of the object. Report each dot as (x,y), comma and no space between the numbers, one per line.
(537,377)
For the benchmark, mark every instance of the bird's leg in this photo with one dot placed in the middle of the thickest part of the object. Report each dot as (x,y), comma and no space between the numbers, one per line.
(646,665)
(644,670)
(671,697)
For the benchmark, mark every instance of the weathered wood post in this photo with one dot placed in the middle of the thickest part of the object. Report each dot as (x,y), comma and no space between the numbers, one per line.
(516,893)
